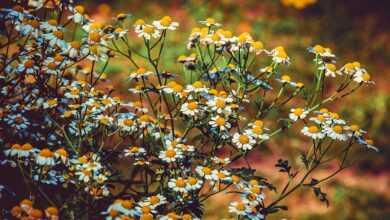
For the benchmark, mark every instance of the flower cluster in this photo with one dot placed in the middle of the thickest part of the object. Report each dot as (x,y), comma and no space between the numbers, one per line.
(172,140)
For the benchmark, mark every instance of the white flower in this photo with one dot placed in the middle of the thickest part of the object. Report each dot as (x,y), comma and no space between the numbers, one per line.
(297,113)
(178,185)
(257,132)
(210,22)
(45,158)
(139,73)
(205,172)
(165,23)
(77,14)
(149,31)
(243,141)
(193,183)
(279,55)
(105,120)
(170,155)
(239,208)
(220,175)
(220,123)
(220,105)
(313,132)
(126,124)
(336,132)
(190,108)
(134,151)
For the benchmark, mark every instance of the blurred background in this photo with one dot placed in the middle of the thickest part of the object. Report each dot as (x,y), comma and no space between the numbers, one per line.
(353,29)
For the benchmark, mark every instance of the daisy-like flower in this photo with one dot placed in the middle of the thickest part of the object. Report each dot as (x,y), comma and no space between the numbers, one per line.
(105,120)
(127,124)
(52,213)
(279,55)
(139,25)
(322,51)
(134,151)
(77,14)
(165,23)
(56,38)
(330,70)
(178,185)
(28,66)
(18,150)
(149,31)
(220,175)
(257,132)
(190,108)
(156,200)
(196,87)
(205,172)
(243,141)
(220,105)
(50,25)
(362,77)
(73,93)
(286,80)
(45,157)
(333,118)
(368,143)
(313,132)
(210,22)
(297,113)
(193,183)
(170,155)
(51,103)
(354,130)
(61,154)
(140,73)
(336,132)
(239,208)
(219,123)
(318,119)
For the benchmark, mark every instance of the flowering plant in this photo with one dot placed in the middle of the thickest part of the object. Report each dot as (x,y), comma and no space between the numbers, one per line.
(173,140)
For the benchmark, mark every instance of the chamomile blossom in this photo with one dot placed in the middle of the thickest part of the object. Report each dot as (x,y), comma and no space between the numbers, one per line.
(205,172)
(239,208)
(45,157)
(279,55)
(148,32)
(170,155)
(313,132)
(193,183)
(139,73)
(243,141)
(178,185)
(165,23)
(220,123)
(297,113)
(191,108)
(77,14)
(336,132)
(134,151)
(209,22)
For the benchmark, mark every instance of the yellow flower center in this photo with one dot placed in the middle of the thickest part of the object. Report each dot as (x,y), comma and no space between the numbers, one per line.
(26,146)
(354,127)
(192,180)
(192,105)
(166,21)
(240,206)
(206,170)
(220,103)
(52,22)
(128,122)
(286,78)
(170,153)
(258,45)
(318,49)
(331,67)
(180,183)
(127,204)
(52,65)
(46,153)
(149,29)
(366,76)
(140,22)
(80,9)
(94,36)
(220,121)
(58,34)
(257,130)
(337,129)
(210,21)
(298,111)
(29,64)
(313,129)
(154,200)
(197,84)
(243,139)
